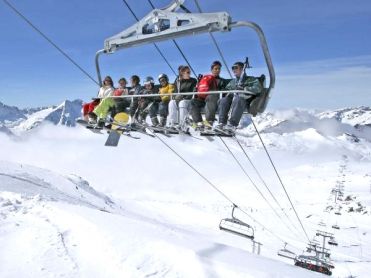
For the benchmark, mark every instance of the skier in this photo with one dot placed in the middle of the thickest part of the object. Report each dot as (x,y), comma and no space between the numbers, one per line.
(148,105)
(121,104)
(134,90)
(112,105)
(105,91)
(165,88)
(238,102)
(210,82)
(179,106)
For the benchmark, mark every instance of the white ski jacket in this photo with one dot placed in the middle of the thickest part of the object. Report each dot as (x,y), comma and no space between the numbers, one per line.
(105,91)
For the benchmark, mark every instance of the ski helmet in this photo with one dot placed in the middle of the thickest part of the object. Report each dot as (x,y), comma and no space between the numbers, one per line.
(149,80)
(163,75)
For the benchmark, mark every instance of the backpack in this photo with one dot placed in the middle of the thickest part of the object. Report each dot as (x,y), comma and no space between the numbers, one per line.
(207,83)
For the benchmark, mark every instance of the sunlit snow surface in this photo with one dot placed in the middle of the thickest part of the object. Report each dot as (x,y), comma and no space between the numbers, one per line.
(85,210)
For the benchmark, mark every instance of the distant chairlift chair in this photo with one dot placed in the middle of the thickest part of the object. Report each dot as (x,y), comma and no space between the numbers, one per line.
(286,253)
(236,226)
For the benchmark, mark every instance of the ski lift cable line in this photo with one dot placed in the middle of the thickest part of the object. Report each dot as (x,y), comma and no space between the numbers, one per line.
(154,44)
(215,43)
(177,46)
(279,178)
(265,184)
(254,184)
(215,187)
(50,41)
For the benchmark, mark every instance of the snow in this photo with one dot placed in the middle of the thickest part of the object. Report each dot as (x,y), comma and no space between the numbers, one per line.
(71,207)
(25,120)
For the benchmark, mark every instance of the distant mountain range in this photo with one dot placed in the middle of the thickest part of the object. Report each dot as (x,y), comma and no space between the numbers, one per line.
(351,121)
(13,119)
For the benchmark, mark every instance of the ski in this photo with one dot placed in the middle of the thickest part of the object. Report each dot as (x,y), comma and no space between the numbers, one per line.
(93,128)
(159,130)
(208,134)
(213,133)
(141,129)
(188,133)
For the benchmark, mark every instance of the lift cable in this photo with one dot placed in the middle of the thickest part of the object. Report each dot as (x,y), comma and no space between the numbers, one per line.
(154,44)
(254,184)
(215,187)
(280,180)
(177,46)
(216,43)
(50,41)
(265,184)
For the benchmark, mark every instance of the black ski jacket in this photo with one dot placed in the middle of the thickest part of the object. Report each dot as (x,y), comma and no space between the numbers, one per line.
(185,85)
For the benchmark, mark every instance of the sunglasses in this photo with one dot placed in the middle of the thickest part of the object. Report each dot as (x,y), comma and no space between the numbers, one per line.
(235,67)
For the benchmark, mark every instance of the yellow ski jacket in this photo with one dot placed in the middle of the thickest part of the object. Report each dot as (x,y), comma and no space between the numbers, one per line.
(168,89)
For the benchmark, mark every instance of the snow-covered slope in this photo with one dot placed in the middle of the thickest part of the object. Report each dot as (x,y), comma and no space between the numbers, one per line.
(140,211)
(55,225)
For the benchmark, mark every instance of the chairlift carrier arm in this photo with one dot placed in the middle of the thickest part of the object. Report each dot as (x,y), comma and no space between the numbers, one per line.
(164,24)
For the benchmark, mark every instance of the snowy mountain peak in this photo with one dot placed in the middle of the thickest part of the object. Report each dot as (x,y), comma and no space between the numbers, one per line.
(10,113)
(358,116)
(64,114)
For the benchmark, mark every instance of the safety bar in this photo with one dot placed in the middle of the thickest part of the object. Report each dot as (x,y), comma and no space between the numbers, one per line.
(183,94)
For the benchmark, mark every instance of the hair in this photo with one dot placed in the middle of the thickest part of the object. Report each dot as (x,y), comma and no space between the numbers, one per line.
(184,68)
(180,68)
(123,79)
(215,63)
(108,78)
(135,78)
(239,64)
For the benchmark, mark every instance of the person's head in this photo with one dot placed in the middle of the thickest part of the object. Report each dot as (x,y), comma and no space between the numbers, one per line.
(163,79)
(215,67)
(122,82)
(149,83)
(185,72)
(237,69)
(108,81)
(134,80)
(179,69)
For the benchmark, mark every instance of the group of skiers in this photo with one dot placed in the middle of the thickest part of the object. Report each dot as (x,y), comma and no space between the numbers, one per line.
(173,111)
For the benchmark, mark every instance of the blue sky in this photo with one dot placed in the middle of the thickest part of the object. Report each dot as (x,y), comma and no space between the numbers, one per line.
(321,49)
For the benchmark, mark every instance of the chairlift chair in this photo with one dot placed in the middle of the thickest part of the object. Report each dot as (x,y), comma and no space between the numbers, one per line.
(332,242)
(313,263)
(236,226)
(286,253)
(166,24)
(321,223)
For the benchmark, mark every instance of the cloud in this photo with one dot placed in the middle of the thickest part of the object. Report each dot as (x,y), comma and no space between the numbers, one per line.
(323,84)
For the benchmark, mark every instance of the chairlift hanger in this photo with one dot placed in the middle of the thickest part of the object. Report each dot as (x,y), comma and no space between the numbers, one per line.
(236,226)
(164,24)
(286,253)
